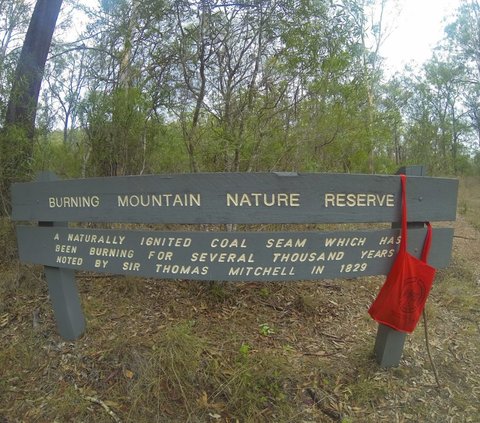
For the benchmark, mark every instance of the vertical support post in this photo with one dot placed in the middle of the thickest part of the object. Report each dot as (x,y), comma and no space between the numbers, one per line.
(389,342)
(63,290)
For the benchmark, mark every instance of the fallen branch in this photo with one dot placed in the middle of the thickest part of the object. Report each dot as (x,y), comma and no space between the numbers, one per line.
(109,411)
(318,402)
(465,237)
(320,354)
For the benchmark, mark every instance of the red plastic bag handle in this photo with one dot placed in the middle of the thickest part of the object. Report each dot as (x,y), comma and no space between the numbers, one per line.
(427,243)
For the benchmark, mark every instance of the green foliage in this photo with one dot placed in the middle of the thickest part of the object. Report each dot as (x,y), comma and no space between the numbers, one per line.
(112,124)
(279,85)
(244,351)
(168,154)
(65,159)
(120,136)
(265,329)
(15,162)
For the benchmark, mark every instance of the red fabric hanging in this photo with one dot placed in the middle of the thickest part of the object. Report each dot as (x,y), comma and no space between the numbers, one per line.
(402,297)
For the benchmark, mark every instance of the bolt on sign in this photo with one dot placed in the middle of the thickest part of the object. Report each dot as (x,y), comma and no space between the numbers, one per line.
(221,198)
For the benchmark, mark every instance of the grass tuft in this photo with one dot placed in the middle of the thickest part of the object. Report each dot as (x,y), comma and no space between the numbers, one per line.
(257,388)
(167,377)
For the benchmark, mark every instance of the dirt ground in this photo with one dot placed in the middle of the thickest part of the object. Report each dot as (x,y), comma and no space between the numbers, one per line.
(179,351)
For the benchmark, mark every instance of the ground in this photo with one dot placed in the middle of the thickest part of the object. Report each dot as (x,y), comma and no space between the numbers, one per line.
(180,351)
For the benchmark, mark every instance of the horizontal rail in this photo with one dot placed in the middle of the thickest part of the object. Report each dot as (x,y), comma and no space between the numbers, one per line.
(235,198)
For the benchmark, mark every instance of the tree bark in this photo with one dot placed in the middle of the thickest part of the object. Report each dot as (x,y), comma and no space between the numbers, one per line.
(22,104)
(16,137)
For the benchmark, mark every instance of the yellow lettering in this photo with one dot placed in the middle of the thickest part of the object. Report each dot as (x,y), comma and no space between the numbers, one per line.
(358,200)
(262,199)
(329,200)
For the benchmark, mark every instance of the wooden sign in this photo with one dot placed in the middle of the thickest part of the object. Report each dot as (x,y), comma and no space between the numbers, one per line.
(245,198)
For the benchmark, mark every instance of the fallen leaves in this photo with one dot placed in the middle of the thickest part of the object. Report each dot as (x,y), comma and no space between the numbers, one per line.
(128,374)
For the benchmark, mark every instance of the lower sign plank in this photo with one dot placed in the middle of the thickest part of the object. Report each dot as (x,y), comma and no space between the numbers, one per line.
(229,256)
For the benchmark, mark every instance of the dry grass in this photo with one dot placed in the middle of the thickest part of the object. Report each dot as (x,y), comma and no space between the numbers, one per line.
(157,351)
(469,199)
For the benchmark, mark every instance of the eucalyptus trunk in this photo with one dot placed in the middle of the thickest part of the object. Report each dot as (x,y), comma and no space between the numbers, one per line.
(16,139)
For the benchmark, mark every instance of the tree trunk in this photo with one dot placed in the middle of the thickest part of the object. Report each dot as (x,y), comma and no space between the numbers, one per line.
(16,139)
(22,104)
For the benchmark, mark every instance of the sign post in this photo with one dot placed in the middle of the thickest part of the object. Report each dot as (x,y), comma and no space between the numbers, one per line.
(62,287)
(389,342)
(241,198)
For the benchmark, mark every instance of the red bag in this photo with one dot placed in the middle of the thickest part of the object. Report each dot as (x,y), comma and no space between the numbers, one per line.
(402,297)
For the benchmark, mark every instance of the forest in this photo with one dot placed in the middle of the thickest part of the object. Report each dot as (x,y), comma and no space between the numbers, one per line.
(165,86)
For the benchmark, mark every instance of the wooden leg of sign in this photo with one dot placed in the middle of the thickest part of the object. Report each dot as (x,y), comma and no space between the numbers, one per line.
(389,346)
(390,342)
(62,289)
(63,292)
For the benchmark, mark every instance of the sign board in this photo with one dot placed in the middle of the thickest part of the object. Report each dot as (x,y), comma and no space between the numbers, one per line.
(243,198)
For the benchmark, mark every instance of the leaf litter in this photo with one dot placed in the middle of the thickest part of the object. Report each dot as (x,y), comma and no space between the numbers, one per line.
(179,351)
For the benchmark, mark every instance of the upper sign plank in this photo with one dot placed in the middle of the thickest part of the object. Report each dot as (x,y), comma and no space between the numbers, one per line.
(235,198)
